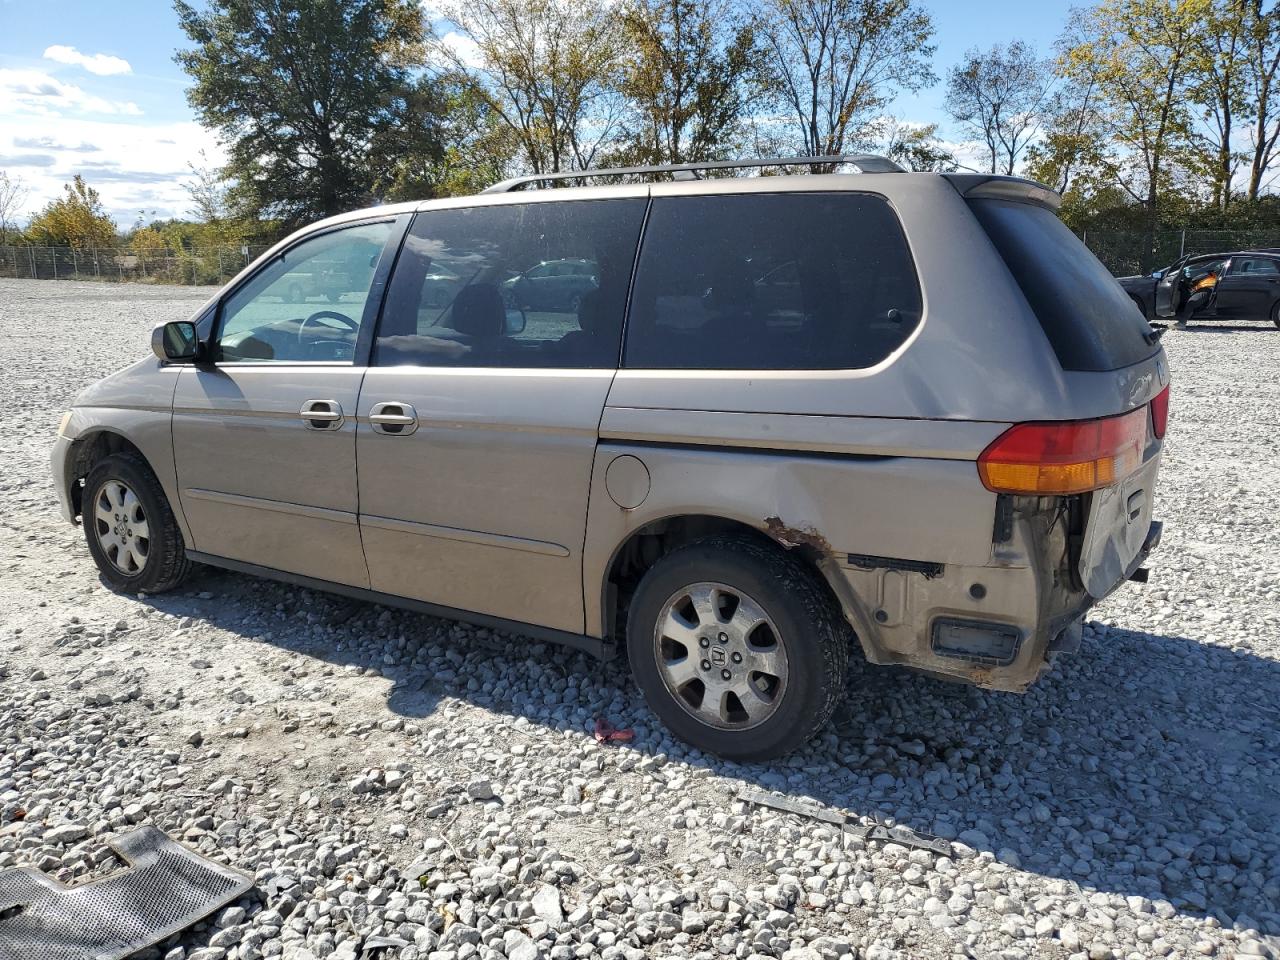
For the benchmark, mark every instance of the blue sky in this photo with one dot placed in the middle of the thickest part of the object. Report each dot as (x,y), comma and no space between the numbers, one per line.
(108,101)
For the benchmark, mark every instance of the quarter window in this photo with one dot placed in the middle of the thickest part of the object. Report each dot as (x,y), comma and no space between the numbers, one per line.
(1255,266)
(805,281)
(539,284)
(307,304)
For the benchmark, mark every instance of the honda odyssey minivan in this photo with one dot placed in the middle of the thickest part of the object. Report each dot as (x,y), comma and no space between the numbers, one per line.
(775,417)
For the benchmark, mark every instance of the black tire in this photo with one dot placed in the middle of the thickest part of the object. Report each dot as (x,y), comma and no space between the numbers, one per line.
(809,626)
(165,565)
(1275,314)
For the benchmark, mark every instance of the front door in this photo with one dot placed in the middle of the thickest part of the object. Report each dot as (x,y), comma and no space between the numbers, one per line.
(1167,288)
(481,408)
(1250,287)
(264,432)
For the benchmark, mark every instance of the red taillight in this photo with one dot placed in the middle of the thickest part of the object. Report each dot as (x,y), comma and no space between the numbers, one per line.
(1056,459)
(1160,413)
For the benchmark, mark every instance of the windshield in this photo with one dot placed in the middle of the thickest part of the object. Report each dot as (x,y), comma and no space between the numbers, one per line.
(1086,314)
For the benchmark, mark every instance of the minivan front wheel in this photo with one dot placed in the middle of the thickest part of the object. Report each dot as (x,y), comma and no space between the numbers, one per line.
(130,529)
(737,648)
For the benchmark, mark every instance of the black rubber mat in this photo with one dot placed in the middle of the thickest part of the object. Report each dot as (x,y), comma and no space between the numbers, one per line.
(164,889)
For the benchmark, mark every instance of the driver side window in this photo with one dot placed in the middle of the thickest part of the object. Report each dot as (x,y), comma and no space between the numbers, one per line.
(306,305)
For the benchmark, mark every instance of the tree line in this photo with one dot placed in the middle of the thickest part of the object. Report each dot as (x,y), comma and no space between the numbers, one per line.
(1148,112)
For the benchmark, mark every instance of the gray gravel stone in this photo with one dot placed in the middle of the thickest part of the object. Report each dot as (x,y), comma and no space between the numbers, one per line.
(388,775)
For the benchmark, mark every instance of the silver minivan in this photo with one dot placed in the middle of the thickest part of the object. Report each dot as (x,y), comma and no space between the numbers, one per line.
(730,426)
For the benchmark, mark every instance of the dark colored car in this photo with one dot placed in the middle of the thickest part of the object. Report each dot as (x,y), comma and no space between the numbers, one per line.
(1248,286)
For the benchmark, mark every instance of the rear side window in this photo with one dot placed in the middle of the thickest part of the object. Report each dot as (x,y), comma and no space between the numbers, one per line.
(512,285)
(1257,266)
(1089,319)
(808,281)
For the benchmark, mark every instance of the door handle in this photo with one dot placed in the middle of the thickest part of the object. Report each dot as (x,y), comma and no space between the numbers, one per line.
(322,414)
(393,418)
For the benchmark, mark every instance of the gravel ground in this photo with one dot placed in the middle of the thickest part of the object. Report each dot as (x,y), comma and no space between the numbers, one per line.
(384,773)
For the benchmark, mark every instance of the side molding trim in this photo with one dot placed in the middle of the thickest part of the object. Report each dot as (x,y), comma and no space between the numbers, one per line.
(275,506)
(460,535)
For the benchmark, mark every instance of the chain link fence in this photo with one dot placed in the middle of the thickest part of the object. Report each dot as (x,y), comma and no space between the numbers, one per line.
(1120,250)
(211,265)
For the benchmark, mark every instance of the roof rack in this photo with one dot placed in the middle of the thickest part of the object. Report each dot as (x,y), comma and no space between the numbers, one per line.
(862,162)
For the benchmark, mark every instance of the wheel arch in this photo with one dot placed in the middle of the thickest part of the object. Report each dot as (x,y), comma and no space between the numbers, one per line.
(88,449)
(644,546)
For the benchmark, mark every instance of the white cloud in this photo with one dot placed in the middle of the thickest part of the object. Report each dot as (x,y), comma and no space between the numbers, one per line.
(138,166)
(48,143)
(102,64)
(466,50)
(38,92)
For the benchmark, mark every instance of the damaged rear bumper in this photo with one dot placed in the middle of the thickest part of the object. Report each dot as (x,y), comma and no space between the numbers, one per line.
(1136,571)
(997,626)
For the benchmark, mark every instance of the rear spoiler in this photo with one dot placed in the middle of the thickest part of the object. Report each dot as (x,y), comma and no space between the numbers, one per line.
(981,185)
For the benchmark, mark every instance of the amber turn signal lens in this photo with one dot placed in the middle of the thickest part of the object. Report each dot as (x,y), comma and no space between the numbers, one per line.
(1061,458)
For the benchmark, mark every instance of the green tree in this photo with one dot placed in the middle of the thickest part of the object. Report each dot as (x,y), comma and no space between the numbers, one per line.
(686,78)
(999,96)
(1218,92)
(1074,151)
(1138,55)
(300,90)
(547,69)
(76,219)
(916,147)
(470,146)
(834,65)
(1262,88)
(215,222)
(406,157)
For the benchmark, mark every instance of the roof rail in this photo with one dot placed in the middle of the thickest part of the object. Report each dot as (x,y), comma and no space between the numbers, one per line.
(862,162)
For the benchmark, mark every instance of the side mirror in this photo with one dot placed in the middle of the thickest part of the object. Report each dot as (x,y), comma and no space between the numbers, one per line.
(515,322)
(176,342)
(1157,274)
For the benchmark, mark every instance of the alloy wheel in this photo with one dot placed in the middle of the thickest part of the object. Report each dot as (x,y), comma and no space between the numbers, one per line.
(121,525)
(720,656)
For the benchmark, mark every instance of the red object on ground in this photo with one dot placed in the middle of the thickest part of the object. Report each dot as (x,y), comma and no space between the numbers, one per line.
(608,733)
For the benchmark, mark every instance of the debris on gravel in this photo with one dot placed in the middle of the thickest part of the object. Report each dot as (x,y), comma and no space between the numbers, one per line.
(412,788)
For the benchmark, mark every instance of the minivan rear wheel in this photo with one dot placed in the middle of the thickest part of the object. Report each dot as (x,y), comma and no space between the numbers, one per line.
(737,648)
(130,529)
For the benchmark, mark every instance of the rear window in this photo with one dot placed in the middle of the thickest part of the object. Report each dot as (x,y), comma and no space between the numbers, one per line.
(1088,318)
(771,282)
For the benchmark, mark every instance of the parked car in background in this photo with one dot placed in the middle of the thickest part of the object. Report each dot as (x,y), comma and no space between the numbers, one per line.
(439,287)
(553,285)
(789,415)
(1248,286)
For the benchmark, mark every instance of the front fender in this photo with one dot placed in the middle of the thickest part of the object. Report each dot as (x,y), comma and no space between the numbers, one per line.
(130,409)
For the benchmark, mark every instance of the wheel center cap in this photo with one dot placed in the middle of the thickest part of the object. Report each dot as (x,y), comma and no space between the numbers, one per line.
(718,656)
